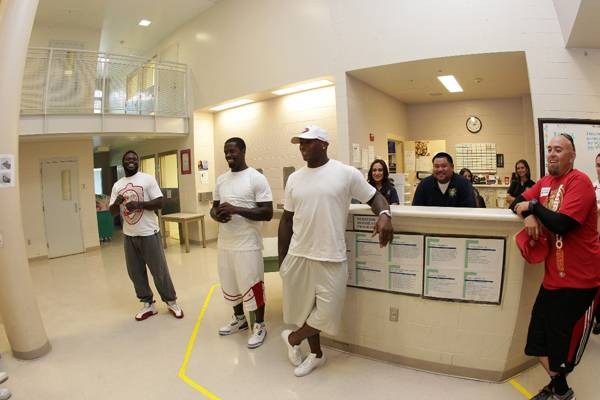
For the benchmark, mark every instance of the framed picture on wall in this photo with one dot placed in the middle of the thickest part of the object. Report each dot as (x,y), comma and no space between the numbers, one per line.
(186,161)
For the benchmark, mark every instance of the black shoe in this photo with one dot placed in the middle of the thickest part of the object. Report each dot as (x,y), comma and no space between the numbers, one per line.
(596,330)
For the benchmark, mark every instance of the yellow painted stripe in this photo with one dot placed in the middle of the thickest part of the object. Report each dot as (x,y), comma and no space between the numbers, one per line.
(182,371)
(521,389)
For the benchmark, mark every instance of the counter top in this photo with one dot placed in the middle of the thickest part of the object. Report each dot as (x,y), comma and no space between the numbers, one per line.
(472,214)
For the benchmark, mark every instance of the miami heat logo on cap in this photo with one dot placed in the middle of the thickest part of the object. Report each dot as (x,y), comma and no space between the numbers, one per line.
(132,193)
(305,130)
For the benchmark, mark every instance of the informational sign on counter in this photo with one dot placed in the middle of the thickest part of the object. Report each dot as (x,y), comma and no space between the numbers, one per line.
(397,267)
(441,267)
(461,268)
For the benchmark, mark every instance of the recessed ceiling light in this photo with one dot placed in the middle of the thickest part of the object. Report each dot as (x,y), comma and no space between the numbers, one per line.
(144,22)
(232,104)
(451,84)
(302,87)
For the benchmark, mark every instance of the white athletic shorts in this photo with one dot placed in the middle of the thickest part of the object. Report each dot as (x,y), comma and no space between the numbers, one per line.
(313,292)
(242,275)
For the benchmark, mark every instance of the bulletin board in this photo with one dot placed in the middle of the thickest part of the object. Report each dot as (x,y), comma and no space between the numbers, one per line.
(586,135)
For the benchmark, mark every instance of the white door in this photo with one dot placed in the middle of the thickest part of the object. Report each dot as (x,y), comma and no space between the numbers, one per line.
(60,196)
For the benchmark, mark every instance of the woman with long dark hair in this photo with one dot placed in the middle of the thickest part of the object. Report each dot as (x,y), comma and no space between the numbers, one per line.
(378,177)
(521,181)
(479,201)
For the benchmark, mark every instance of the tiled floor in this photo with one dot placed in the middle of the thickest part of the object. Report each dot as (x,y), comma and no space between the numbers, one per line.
(101,352)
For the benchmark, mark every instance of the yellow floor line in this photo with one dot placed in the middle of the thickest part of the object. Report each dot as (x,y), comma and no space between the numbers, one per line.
(521,389)
(182,371)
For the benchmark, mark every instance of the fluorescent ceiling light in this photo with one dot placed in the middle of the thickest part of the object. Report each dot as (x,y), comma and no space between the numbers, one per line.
(450,82)
(304,86)
(144,22)
(232,104)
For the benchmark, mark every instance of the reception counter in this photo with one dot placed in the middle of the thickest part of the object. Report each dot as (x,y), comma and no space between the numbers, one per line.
(467,312)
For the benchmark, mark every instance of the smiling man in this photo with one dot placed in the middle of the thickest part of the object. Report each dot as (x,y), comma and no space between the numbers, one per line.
(444,188)
(242,199)
(562,207)
(136,197)
(312,247)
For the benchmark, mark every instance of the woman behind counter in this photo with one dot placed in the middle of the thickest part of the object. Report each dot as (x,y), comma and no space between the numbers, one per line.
(521,181)
(479,201)
(379,178)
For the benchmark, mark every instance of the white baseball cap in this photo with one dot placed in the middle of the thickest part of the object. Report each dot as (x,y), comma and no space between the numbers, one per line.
(311,132)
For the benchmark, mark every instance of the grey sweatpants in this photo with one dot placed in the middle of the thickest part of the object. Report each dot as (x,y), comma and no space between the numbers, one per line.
(147,250)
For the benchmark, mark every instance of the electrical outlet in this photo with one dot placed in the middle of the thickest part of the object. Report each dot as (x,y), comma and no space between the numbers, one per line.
(393,314)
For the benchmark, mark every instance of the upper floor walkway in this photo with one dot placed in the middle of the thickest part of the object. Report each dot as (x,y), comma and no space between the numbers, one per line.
(78,91)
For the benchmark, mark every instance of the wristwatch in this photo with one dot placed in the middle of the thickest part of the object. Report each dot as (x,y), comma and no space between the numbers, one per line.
(532,204)
(386,212)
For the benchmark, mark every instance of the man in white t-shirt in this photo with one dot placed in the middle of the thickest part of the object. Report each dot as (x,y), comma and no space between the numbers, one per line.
(242,199)
(312,248)
(136,197)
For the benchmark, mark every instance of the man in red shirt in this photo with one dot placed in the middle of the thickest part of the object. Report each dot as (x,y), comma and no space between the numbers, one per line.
(562,206)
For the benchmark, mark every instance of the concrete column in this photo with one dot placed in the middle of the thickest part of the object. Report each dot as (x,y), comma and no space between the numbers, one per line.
(18,306)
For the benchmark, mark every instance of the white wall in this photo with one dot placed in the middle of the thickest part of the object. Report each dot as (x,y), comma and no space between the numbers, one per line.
(267,128)
(31,154)
(506,122)
(42,34)
(372,111)
(239,47)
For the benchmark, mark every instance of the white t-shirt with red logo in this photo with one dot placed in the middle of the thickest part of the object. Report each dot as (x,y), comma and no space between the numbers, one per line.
(139,187)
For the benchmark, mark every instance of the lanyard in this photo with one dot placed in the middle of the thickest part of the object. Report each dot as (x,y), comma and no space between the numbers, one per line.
(558,243)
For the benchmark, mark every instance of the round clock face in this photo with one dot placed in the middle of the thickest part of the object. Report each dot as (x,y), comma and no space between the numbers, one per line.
(473,124)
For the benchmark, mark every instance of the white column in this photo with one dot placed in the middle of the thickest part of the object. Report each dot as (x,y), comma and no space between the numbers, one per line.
(18,306)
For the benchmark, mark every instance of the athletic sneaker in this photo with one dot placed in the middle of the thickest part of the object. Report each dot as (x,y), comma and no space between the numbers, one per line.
(548,394)
(259,333)
(175,309)
(3,376)
(5,394)
(147,311)
(294,352)
(236,325)
(309,364)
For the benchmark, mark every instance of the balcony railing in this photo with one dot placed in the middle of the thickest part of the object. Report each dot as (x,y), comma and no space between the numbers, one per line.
(64,81)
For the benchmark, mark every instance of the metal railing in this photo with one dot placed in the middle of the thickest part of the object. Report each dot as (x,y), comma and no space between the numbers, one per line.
(66,81)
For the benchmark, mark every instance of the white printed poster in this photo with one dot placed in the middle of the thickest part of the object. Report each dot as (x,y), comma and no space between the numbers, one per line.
(7,170)
(406,264)
(463,268)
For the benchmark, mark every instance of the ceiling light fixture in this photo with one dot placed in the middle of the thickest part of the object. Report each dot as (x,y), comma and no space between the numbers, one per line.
(232,104)
(144,22)
(451,84)
(302,87)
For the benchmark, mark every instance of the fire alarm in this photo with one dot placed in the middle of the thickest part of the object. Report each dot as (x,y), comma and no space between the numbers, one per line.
(371,137)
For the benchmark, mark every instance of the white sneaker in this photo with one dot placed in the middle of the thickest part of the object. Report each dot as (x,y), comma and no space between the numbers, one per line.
(234,326)
(294,352)
(147,311)
(175,309)
(259,333)
(5,394)
(3,376)
(309,364)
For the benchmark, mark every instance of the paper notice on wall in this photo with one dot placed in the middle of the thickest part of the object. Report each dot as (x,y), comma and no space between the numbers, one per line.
(371,154)
(356,153)
(365,160)
(350,257)
(444,266)
(7,171)
(406,264)
(483,272)
(204,177)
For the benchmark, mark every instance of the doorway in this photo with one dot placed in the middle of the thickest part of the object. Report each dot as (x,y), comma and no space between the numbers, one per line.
(168,181)
(60,198)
